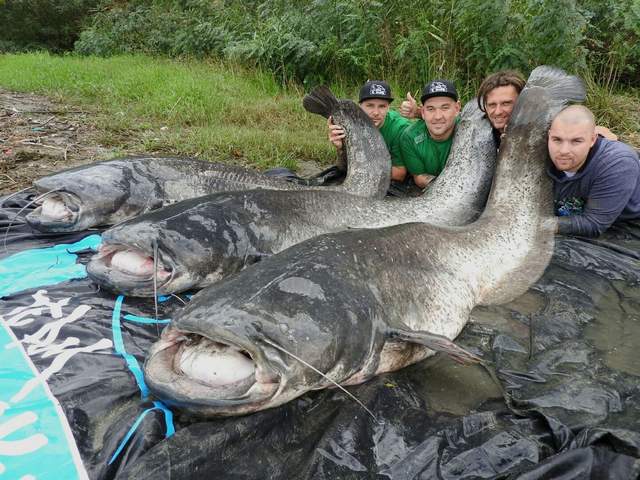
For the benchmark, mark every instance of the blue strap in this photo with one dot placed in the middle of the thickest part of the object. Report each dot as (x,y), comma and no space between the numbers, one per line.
(135,369)
(168,419)
(164,298)
(129,434)
(118,345)
(145,320)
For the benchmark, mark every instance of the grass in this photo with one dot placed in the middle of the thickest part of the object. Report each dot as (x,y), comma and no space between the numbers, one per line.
(216,111)
(618,111)
(144,104)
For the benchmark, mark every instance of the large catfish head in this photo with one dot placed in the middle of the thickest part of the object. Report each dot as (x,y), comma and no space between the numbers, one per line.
(188,245)
(88,196)
(259,339)
(308,318)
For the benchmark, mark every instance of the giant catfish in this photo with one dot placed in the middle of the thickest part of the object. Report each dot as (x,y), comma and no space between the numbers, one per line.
(109,192)
(359,303)
(200,241)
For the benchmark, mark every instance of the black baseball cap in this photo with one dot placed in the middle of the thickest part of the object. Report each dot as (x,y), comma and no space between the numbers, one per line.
(439,88)
(375,89)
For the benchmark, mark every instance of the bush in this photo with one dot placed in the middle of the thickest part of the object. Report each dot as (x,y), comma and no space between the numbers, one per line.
(193,28)
(613,40)
(42,24)
(348,41)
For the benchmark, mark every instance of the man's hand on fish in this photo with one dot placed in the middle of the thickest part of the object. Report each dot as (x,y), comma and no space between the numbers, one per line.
(606,133)
(336,133)
(423,180)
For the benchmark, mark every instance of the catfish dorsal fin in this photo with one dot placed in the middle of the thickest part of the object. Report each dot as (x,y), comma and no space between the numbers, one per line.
(435,342)
(320,101)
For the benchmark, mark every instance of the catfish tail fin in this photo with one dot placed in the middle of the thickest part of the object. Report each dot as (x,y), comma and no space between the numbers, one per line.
(547,91)
(559,85)
(321,101)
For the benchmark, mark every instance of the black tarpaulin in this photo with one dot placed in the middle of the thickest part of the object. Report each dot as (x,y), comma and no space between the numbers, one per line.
(565,353)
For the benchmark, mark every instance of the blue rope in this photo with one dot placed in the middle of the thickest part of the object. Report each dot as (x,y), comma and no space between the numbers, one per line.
(118,344)
(145,320)
(168,419)
(135,369)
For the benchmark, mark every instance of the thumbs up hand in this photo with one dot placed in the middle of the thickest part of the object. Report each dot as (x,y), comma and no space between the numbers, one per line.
(409,107)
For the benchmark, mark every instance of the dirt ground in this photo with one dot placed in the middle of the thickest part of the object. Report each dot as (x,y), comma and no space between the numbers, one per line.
(38,137)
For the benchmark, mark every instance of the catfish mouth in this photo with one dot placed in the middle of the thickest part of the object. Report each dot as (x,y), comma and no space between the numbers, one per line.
(215,377)
(56,211)
(128,269)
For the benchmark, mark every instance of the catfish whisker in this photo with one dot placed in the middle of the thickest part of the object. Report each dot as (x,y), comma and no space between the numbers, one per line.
(16,193)
(353,397)
(155,283)
(6,233)
(176,296)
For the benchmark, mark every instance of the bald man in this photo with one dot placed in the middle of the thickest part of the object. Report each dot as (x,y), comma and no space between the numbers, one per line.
(596,180)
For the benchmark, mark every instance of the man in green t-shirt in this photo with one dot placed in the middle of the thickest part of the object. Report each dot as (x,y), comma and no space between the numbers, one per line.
(425,145)
(375,99)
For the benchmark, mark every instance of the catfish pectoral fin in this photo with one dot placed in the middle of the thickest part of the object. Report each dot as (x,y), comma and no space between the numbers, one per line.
(437,343)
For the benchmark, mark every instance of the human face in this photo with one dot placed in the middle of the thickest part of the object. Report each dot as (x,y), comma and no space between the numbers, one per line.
(439,113)
(499,104)
(569,144)
(376,109)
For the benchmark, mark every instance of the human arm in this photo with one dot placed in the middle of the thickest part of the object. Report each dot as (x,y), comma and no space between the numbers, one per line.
(413,161)
(606,133)
(336,134)
(398,168)
(410,158)
(608,194)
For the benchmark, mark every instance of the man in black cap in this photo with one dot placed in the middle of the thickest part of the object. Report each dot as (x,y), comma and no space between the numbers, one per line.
(375,99)
(425,145)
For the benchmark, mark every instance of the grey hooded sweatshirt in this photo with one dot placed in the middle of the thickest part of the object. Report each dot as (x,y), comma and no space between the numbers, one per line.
(605,189)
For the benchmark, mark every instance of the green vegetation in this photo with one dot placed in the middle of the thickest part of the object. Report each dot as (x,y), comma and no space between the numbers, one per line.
(188,107)
(203,102)
(315,41)
(43,24)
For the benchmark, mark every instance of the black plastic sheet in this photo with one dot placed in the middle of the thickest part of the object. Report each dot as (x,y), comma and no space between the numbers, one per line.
(566,404)
(333,176)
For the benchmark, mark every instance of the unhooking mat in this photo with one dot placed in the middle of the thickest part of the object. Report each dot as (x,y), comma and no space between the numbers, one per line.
(73,402)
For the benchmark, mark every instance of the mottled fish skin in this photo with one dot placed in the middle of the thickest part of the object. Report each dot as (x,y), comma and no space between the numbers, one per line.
(358,303)
(109,192)
(207,239)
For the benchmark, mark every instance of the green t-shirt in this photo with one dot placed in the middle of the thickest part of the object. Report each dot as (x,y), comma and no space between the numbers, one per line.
(421,153)
(391,131)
